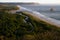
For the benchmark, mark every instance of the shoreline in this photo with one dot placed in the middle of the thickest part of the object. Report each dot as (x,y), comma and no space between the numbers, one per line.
(40,16)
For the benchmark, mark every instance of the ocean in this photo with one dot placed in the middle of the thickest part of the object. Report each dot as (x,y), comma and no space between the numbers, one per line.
(45,10)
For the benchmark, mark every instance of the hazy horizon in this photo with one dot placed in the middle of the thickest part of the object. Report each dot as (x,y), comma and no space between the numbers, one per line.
(51,2)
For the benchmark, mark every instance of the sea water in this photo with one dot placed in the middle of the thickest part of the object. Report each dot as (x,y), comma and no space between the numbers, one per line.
(45,10)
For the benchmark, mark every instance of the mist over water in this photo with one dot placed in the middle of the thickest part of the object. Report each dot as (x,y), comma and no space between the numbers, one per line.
(45,10)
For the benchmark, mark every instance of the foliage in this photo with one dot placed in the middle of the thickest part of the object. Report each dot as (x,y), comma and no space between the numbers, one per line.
(16,27)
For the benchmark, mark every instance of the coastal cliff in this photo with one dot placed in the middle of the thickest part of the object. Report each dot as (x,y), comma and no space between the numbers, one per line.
(20,26)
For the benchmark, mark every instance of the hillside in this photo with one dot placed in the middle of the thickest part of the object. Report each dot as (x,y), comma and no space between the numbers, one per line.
(19,26)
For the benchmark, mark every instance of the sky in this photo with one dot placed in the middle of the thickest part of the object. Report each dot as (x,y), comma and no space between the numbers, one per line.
(38,1)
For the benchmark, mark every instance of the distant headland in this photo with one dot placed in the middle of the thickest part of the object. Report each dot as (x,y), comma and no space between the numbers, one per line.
(21,3)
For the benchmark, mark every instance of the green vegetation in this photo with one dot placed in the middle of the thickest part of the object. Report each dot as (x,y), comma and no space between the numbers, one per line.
(19,26)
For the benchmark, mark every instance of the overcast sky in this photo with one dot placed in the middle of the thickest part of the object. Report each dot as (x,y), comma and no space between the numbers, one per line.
(38,1)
